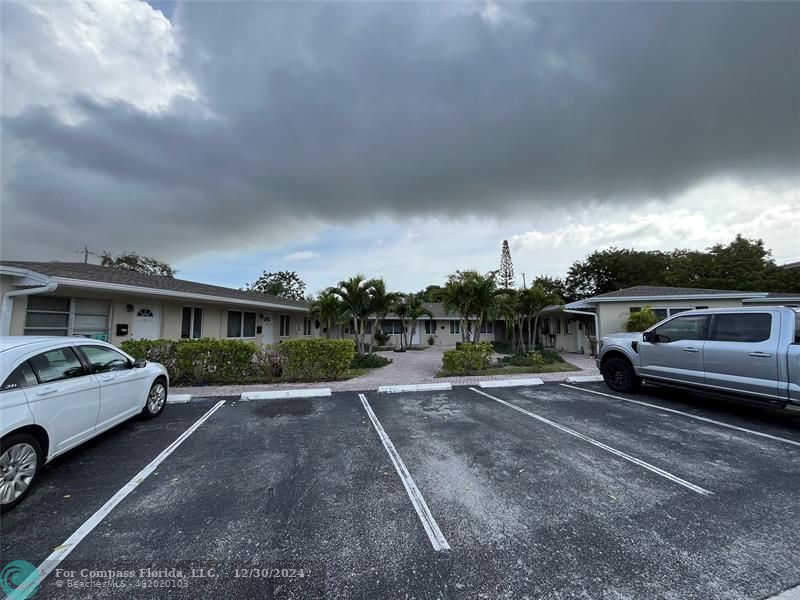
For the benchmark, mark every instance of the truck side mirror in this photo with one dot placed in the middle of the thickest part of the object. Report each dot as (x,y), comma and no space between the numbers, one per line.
(649,336)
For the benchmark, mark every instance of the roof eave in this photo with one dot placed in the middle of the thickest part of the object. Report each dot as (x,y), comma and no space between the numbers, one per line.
(135,289)
(598,300)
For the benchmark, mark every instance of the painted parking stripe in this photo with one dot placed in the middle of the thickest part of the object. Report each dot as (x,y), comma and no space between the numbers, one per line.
(790,594)
(690,415)
(435,534)
(594,442)
(62,551)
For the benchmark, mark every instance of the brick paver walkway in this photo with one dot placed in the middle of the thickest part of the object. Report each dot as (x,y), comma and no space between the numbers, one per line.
(407,368)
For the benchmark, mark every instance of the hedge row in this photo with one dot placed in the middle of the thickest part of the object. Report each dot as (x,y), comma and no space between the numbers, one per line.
(469,357)
(212,361)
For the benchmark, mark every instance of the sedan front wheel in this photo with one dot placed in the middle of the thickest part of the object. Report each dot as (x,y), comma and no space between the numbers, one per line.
(156,399)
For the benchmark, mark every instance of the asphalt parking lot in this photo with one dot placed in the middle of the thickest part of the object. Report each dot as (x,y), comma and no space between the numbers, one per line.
(539,492)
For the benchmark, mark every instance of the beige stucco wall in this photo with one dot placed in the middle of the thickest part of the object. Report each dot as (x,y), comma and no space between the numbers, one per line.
(215,317)
(614,314)
(442,337)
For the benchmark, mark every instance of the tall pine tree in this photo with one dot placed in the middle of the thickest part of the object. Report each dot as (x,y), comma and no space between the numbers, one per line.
(506,267)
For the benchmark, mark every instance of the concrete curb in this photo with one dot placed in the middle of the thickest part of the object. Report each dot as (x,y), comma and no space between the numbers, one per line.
(584,378)
(418,387)
(510,383)
(790,594)
(178,398)
(274,395)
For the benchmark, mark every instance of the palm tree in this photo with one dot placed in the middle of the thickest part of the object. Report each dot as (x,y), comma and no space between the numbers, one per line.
(482,292)
(416,309)
(327,308)
(401,310)
(534,300)
(354,294)
(454,299)
(380,303)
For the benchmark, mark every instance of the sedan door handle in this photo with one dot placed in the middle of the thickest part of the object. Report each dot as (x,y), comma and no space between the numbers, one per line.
(46,391)
(691,349)
(760,354)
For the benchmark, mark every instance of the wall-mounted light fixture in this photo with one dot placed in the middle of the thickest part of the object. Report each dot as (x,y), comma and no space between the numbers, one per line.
(129,307)
(266,319)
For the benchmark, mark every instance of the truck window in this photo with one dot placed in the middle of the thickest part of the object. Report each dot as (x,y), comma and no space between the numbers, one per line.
(797,328)
(741,327)
(690,327)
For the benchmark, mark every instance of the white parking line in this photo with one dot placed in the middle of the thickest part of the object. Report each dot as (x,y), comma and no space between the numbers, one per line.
(586,438)
(62,551)
(690,415)
(435,534)
(790,594)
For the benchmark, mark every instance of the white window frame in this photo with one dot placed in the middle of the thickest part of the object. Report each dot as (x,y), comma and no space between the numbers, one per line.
(430,327)
(487,327)
(455,327)
(558,326)
(284,326)
(192,322)
(306,326)
(242,336)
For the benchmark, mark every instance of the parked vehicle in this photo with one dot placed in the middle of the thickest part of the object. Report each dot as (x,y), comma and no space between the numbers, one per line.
(57,393)
(750,352)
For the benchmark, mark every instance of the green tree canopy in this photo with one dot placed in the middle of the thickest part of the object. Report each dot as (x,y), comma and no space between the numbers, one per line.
(284,284)
(135,262)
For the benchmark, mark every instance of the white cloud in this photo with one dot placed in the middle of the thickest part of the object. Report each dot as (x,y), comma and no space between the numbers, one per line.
(108,50)
(302,255)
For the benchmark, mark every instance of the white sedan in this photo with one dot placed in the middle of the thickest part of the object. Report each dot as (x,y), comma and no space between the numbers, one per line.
(57,393)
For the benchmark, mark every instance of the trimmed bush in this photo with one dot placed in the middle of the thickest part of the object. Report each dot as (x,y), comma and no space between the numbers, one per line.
(469,357)
(210,361)
(369,361)
(536,358)
(317,359)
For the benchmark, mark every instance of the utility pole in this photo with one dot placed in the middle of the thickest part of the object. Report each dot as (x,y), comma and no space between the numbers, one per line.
(85,253)
(524,287)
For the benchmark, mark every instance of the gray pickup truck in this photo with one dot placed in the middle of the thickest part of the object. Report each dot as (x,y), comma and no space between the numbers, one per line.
(746,352)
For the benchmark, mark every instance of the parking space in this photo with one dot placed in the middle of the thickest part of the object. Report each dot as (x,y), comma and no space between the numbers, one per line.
(542,492)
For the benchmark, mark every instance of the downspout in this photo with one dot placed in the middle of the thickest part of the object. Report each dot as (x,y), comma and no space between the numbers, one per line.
(8,303)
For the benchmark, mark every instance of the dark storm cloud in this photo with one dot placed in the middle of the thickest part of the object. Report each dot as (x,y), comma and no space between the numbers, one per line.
(341,111)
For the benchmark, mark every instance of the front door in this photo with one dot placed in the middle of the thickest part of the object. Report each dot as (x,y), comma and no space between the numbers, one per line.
(676,354)
(146,322)
(579,337)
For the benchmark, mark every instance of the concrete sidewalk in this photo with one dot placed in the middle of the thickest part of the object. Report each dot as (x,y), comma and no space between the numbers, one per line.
(412,367)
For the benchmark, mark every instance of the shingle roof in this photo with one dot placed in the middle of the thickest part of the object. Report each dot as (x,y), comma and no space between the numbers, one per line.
(640,291)
(111,275)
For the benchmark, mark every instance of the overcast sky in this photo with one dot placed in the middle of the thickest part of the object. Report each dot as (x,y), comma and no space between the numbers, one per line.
(397,139)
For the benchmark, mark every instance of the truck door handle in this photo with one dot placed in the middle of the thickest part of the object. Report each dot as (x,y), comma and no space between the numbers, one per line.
(760,354)
(691,349)
(45,391)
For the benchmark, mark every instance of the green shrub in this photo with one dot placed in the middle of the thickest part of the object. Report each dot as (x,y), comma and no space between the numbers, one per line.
(469,357)
(536,358)
(515,360)
(502,347)
(380,337)
(317,358)
(210,361)
(160,351)
(641,320)
(369,361)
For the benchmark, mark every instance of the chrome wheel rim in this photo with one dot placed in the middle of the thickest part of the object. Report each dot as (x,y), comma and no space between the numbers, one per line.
(17,468)
(156,398)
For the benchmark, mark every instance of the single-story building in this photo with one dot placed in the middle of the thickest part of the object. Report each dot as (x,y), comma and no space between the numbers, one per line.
(113,304)
(572,326)
(444,328)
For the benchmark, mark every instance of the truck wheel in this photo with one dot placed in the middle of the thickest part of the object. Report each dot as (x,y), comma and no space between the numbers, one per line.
(619,375)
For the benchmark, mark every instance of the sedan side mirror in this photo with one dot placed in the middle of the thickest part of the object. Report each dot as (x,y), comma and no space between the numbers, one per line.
(139,363)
